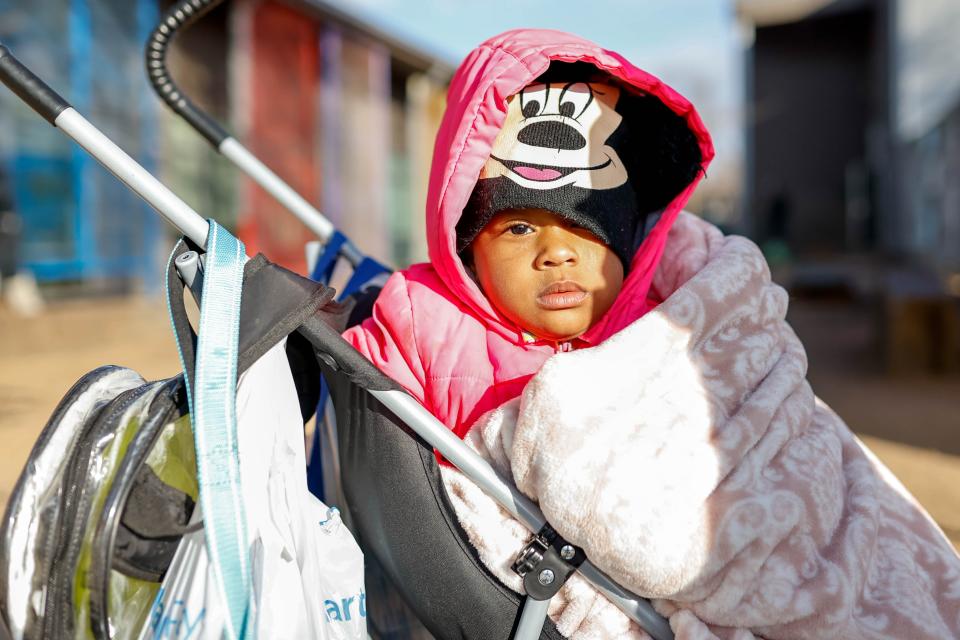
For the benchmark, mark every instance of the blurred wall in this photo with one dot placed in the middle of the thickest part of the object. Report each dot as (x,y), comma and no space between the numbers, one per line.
(338,109)
(818,96)
(79,223)
(853,147)
(343,113)
(927,95)
(852,127)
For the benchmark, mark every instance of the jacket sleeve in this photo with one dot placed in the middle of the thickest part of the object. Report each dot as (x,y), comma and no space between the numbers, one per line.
(387,337)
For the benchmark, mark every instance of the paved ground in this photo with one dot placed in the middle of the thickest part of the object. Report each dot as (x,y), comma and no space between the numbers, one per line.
(40,358)
(912,424)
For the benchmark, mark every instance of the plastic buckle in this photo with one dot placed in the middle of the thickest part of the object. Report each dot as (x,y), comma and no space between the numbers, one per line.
(546,562)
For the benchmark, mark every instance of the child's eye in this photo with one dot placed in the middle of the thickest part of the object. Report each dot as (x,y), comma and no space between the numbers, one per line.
(520,229)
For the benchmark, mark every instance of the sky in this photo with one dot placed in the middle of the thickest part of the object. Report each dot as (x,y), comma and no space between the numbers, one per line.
(692,45)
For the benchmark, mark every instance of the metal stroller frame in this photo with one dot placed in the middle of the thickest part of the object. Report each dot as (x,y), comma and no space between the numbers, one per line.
(546,562)
(322,255)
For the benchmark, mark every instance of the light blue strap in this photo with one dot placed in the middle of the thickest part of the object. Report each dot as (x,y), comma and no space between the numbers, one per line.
(214,416)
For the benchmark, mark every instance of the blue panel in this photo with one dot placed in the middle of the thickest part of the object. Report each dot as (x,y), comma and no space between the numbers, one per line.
(148,16)
(56,271)
(43,192)
(80,222)
(79,39)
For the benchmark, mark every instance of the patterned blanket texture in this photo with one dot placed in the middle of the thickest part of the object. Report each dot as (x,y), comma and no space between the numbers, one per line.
(689,458)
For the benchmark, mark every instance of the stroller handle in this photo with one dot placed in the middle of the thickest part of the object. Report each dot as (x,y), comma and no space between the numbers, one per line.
(58,112)
(181,15)
(30,88)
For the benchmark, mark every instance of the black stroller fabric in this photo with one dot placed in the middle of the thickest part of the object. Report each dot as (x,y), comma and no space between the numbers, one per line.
(400,512)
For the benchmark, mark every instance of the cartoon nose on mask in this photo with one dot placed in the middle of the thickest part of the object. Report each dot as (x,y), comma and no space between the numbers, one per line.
(552,135)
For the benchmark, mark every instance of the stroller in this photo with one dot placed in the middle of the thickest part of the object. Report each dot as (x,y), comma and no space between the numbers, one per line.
(126,525)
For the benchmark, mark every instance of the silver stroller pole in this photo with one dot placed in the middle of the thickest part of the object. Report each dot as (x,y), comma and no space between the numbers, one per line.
(532,618)
(58,112)
(167,203)
(177,17)
(518,505)
(280,190)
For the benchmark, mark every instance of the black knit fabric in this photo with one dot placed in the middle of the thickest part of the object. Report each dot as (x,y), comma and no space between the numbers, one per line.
(610,214)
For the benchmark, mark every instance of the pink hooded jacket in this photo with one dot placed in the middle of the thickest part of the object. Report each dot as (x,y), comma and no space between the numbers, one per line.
(432,328)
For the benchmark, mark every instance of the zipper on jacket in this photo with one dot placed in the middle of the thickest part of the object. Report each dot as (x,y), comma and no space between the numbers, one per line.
(558,347)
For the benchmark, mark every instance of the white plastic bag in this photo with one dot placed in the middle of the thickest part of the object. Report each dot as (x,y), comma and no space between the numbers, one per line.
(307,569)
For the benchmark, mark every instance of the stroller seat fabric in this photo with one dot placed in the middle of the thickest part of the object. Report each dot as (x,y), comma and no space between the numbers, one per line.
(401,515)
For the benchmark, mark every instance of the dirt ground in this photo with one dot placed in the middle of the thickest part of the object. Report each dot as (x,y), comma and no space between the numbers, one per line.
(912,424)
(40,358)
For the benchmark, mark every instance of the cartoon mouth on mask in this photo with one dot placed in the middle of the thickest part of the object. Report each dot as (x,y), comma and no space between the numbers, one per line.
(545,173)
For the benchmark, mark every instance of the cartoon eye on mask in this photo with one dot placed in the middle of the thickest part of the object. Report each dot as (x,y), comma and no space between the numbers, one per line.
(533,99)
(573,100)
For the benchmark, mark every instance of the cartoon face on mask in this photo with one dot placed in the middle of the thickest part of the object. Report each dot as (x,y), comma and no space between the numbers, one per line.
(556,135)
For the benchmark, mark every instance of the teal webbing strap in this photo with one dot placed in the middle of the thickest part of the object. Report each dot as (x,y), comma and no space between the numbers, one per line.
(213,412)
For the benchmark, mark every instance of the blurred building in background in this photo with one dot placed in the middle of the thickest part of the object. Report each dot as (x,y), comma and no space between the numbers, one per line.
(346,114)
(852,158)
(78,222)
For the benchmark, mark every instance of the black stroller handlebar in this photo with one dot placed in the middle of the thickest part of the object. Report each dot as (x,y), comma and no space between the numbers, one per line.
(178,16)
(31,89)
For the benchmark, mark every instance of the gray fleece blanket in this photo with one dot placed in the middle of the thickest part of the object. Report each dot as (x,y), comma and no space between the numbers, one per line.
(690,459)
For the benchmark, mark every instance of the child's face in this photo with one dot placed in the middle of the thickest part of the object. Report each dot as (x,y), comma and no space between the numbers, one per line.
(544,273)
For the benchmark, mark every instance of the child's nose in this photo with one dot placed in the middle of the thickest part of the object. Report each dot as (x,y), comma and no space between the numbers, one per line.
(557,249)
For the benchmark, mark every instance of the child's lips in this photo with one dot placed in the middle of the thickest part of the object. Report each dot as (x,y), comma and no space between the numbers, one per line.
(561,295)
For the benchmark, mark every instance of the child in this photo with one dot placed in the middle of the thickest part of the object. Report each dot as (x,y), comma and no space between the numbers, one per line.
(558,171)
(666,426)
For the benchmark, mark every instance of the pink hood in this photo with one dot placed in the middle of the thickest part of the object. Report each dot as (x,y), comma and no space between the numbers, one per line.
(476,109)
(472,359)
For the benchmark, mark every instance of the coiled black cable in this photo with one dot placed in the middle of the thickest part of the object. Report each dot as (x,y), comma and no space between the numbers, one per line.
(178,16)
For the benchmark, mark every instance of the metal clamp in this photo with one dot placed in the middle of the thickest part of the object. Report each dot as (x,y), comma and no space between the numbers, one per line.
(530,556)
(546,562)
